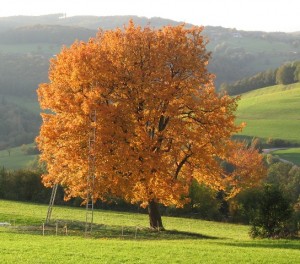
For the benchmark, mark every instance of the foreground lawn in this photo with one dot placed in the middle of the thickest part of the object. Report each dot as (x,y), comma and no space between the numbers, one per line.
(186,241)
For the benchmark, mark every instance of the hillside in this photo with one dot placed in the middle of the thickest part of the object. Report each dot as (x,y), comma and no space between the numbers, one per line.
(28,42)
(17,158)
(89,22)
(236,54)
(272,112)
(19,121)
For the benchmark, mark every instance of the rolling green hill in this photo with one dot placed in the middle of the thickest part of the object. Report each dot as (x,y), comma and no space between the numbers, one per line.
(246,52)
(19,121)
(27,43)
(16,158)
(272,112)
(291,154)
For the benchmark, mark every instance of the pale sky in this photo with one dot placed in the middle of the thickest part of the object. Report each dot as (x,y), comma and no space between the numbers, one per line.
(264,15)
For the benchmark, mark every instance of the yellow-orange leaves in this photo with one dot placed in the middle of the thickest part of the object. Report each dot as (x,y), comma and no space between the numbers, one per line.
(160,122)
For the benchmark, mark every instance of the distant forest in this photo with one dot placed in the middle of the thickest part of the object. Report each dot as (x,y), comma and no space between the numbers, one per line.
(27,43)
(287,73)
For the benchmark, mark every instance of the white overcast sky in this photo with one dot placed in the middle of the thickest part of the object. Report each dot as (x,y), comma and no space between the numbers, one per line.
(264,15)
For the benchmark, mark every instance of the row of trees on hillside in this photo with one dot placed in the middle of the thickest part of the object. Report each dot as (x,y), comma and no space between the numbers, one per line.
(286,74)
(272,208)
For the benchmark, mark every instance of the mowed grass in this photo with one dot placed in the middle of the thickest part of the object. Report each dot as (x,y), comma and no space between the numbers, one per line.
(292,154)
(272,112)
(187,241)
(16,159)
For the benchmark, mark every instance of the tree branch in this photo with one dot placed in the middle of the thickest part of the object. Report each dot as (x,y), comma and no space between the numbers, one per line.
(180,165)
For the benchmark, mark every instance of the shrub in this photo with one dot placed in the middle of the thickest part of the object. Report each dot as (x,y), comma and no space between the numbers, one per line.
(23,185)
(242,208)
(30,150)
(205,203)
(273,216)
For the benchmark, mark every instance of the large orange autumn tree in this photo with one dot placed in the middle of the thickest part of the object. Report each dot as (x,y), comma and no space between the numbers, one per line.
(159,122)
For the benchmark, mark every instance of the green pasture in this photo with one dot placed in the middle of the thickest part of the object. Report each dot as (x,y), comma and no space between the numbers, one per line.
(185,241)
(15,158)
(272,112)
(292,154)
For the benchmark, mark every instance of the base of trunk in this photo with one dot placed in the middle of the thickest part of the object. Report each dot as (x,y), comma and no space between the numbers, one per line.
(154,216)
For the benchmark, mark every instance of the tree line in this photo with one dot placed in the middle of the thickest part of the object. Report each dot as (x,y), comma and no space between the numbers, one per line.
(287,73)
(276,199)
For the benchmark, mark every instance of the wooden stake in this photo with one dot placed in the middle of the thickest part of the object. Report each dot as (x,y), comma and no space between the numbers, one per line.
(56,228)
(66,229)
(135,232)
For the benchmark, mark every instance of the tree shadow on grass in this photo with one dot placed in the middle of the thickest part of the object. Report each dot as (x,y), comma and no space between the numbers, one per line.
(281,244)
(138,232)
(77,228)
(148,234)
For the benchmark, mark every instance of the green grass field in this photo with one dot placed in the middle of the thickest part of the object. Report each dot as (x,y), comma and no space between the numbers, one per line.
(272,112)
(186,241)
(292,154)
(16,159)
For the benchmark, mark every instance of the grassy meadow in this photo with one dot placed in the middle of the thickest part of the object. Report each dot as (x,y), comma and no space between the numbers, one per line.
(292,154)
(15,158)
(272,112)
(185,241)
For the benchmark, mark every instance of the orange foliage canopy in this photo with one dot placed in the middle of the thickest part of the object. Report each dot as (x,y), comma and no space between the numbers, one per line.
(159,125)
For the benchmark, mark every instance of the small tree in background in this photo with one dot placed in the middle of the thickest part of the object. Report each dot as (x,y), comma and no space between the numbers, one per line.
(297,71)
(285,74)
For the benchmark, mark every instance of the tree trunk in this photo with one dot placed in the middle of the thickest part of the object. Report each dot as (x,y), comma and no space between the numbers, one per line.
(154,216)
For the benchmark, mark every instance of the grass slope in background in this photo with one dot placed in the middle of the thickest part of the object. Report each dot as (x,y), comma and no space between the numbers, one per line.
(292,154)
(271,112)
(17,159)
(195,241)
